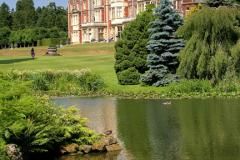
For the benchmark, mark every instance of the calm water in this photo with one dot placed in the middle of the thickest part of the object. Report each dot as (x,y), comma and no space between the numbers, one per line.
(195,129)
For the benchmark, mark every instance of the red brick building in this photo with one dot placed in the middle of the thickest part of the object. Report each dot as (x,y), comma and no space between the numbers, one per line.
(96,20)
(184,6)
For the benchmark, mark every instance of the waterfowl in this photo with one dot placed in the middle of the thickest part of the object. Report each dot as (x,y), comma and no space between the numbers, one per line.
(108,132)
(167,103)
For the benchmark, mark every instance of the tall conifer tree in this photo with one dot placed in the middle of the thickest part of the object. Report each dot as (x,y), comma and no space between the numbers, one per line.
(163,46)
(131,52)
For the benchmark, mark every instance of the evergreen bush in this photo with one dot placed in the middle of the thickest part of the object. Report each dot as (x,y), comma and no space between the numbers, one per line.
(46,42)
(131,49)
(35,124)
(163,46)
(52,45)
(129,76)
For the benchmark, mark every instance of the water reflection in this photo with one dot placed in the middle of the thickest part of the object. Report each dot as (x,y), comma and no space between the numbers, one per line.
(188,129)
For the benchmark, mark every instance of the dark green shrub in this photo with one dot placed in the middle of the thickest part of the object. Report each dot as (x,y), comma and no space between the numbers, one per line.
(62,34)
(130,76)
(131,48)
(46,42)
(54,32)
(52,45)
(35,124)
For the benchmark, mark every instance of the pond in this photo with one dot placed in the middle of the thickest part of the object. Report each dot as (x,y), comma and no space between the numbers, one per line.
(198,129)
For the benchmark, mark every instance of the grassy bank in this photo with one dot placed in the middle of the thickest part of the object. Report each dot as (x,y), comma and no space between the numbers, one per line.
(100,59)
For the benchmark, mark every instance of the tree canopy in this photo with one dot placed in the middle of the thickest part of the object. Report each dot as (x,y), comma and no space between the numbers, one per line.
(5,16)
(212,50)
(217,3)
(131,52)
(27,17)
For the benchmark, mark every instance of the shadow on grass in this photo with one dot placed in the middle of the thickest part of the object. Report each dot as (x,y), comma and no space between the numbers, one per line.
(9,61)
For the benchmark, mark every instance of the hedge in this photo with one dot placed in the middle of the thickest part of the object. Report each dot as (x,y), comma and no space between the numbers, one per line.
(55,41)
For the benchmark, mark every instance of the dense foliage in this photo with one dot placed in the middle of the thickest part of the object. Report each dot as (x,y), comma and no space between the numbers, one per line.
(26,16)
(28,37)
(34,124)
(217,3)
(163,46)
(193,10)
(30,24)
(131,53)
(5,16)
(55,41)
(5,33)
(212,50)
(63,80)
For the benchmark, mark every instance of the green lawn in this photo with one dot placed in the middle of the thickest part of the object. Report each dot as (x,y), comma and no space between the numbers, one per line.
(98,57)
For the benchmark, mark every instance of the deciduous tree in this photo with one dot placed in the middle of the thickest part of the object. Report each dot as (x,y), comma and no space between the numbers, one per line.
(5,16)
(210,52)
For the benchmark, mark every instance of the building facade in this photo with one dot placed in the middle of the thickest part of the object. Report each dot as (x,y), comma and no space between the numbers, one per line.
(184,6)
(96,20)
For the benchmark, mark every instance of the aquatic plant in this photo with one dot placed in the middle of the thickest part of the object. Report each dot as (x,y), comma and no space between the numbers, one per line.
(63,80)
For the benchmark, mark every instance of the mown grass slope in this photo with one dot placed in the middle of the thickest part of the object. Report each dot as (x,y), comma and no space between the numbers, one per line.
(99,57)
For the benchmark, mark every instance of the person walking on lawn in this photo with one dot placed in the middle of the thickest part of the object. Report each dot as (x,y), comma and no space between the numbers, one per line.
(32,53)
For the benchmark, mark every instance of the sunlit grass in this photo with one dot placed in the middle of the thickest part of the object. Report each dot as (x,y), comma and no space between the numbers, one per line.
(98,57)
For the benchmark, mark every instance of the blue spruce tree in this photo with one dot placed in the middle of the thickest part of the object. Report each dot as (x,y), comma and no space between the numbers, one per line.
(163,46)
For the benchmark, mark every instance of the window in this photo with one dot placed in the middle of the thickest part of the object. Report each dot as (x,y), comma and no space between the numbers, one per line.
(100,32)
(119,32)
(71,7)
(84,5)
(119,12)
(135,10)
(77,6)
(98,16)
(85,18)
(130,11)
(113,13)
(140,8)
(187,10)
(114,33)
(110,15)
